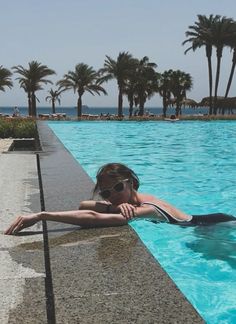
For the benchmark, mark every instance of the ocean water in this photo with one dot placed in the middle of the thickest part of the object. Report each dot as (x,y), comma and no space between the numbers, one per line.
(72,112)
(193,166)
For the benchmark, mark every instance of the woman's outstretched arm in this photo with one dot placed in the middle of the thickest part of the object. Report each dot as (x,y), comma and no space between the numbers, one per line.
(98,206)
(84,218)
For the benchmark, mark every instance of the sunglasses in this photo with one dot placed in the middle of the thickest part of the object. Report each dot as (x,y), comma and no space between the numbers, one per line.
(118,187)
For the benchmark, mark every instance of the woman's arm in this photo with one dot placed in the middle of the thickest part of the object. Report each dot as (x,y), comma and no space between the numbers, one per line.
(84,218)
(146,211)
(127,210)
(98,206)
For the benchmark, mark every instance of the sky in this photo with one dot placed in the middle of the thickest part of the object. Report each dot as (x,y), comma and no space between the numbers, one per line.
(61,34)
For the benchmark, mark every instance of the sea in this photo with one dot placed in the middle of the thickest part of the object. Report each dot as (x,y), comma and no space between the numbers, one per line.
(71,112)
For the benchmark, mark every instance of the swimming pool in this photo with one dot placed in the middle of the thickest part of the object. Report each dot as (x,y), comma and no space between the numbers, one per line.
(193,166)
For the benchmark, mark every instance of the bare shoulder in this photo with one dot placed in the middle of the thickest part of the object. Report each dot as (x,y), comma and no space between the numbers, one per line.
(144,197)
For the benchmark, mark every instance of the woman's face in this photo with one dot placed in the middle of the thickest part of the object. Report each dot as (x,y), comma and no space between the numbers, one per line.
(116,191)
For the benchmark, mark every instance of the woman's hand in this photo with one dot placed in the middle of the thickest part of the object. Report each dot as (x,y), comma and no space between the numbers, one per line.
(127,210)
(22,222)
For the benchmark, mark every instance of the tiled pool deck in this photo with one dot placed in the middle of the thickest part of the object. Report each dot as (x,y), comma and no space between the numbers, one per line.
(70,275)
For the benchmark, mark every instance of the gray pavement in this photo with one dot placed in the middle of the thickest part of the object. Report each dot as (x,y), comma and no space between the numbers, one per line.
(18,265)
(100,276)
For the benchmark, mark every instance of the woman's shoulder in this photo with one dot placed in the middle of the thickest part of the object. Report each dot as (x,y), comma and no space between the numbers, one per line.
(144,197)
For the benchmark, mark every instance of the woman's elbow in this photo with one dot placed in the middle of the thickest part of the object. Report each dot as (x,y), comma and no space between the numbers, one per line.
(92,218)
(83,204)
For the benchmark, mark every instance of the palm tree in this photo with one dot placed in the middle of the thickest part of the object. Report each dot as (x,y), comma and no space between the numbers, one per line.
(26,85)
(5,78)
(232,43)
(164,89)
(53,97)
(146,83)
(199,36)
(129,90)
(83,79)
(31,80)
(220,33)
(120,70)
(233,46)
(180,83)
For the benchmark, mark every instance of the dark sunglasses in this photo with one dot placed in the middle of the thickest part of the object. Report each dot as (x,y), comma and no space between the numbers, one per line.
(118,187)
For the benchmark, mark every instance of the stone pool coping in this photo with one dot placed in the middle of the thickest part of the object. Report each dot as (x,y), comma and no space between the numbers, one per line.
(101,275)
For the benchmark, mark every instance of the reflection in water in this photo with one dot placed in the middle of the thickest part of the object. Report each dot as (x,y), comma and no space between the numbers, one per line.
(111,245)
(115,250)
(216,242)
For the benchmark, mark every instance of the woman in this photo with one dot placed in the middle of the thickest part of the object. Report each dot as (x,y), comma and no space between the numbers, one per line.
(118,185)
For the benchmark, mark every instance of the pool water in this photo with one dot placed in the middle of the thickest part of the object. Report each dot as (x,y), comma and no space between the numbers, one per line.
(193,166)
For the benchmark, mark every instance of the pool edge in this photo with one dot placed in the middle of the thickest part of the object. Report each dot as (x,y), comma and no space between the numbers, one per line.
(154,296)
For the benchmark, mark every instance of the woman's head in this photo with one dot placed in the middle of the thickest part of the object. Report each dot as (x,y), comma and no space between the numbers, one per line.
(115,177)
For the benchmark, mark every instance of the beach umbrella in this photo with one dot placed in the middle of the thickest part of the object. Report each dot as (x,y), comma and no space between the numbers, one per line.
(205,102)
(187,102)
(222,103)
(172,102)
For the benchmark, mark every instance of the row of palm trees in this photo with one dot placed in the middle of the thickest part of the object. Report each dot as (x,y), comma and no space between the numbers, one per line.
(137,79)
(213,32)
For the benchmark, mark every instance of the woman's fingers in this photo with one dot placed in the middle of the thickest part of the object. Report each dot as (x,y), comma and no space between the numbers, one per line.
(22,222)
(127,210)
(19,227)
(14,226)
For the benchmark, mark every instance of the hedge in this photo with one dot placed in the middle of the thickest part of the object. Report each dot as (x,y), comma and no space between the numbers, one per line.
(17,128)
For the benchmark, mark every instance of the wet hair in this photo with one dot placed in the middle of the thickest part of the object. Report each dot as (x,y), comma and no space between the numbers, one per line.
(117,171)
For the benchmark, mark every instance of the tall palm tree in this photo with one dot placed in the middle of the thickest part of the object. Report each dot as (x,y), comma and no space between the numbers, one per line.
(54,96)
(141,83)
(146,83)
(130,91)
(164,89)
(199,36)
(118,69)
(5,78)
(83,79)
(231,42)
(233,46)
(180,83)
(220,33)
(31,80)
(26,85)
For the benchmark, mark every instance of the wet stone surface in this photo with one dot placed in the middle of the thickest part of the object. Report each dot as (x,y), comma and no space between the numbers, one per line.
(22,270)
(101,275)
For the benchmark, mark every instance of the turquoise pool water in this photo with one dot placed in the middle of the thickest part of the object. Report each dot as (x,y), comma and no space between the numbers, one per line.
(193,166)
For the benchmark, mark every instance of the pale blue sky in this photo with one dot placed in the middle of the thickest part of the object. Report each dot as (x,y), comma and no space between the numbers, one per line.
(61,34)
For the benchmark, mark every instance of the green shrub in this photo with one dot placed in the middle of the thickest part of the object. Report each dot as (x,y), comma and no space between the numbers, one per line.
(17,128)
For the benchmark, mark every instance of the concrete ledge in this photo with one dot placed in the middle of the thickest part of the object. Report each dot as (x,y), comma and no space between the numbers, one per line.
(100,275)
(25,145)
(22,269)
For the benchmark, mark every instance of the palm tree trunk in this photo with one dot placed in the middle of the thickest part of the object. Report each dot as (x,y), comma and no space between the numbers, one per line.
(29,104)
(177,109)
(219,55)
(208,54)
(231,73)
(33,106)
(131,108)
(79,106)
(131,104)
(120,103)
(141,109)
(53,106)
(165,103)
